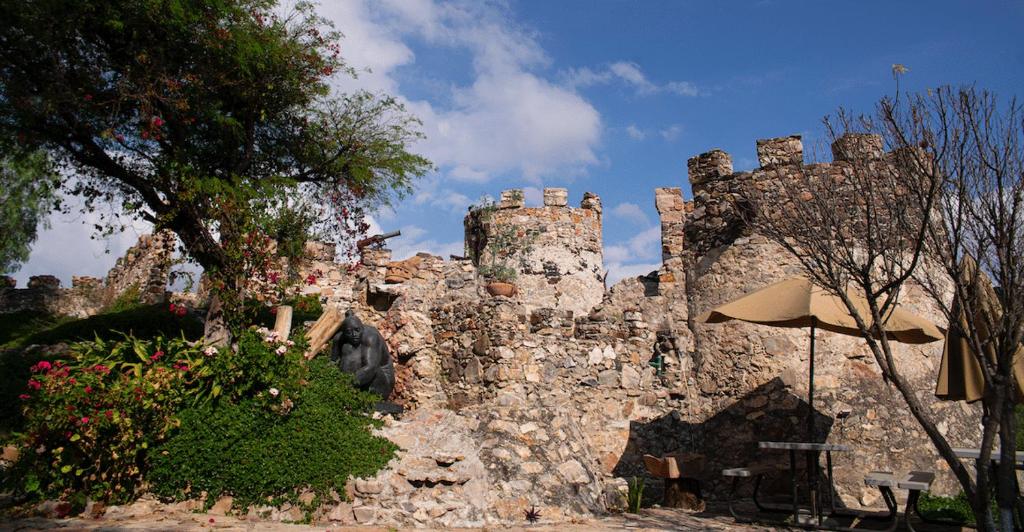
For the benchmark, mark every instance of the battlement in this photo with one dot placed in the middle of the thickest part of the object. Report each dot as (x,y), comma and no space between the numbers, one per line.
(563,257)
(716,164)
(553,197)
(716,214)
(144,268)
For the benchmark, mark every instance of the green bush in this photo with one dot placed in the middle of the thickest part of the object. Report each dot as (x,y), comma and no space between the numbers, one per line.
(17,325)
(245,451)
(142,322)
(91,416)
(956,509)
(19,330)
(130,299)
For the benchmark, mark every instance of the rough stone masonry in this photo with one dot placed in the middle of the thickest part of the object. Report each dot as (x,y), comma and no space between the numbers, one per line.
(550,398)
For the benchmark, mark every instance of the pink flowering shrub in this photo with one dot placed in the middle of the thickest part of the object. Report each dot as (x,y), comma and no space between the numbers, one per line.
(92,414)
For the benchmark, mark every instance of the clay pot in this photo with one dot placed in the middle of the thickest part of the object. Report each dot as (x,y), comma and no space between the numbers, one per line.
(498,288)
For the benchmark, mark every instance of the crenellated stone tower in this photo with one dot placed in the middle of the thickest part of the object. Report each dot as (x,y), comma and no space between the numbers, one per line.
(751,380)
(564,269)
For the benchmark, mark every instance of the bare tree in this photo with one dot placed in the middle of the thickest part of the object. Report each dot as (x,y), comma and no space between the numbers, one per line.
(917,191)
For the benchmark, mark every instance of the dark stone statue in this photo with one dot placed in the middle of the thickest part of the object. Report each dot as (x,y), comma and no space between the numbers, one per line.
(361,351)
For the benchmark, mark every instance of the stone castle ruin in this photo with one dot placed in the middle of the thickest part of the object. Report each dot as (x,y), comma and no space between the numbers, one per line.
(143,272)
(551,397)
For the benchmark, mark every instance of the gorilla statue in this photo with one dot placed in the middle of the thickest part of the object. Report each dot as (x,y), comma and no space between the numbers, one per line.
(360,350)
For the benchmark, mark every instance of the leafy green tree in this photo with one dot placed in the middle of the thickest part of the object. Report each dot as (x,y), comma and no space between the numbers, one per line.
(203,117)
(26,196)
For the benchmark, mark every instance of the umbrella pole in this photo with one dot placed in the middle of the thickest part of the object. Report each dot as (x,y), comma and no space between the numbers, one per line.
(810,387)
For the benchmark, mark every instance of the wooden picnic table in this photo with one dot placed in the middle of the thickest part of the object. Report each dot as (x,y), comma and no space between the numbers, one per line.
(813,451)
(966,452)
(974,454)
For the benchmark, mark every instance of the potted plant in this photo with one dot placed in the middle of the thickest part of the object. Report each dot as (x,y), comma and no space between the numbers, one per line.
(503,246)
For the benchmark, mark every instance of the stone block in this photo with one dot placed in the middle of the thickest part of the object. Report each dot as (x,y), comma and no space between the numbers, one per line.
(709,166)
(85,282)
(556,197)
(857,146)
(512,199)
(7,281)
(375,257)
(780,151)
(364,514)
(591,201)
(668,199)
(323,251)
(44,281)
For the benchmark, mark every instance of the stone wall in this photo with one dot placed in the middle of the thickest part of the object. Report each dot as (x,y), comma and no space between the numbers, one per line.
(144,268)
(550,398)
(565,268)
(521,402)
(748,373)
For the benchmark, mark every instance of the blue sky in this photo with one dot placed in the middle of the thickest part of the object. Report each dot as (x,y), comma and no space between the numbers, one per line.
(613,96)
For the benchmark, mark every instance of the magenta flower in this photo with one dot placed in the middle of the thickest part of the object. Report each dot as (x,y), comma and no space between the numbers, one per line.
(34,384)
(24,396)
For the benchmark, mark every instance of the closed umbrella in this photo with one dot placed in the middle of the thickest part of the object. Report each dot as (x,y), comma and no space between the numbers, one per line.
(960,377)
(798,302)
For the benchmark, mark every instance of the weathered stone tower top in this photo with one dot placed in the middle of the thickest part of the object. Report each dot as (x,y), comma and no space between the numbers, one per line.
(564,266)
(715,215)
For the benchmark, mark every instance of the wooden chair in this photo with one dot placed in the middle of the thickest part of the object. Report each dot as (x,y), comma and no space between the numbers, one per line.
(679,474)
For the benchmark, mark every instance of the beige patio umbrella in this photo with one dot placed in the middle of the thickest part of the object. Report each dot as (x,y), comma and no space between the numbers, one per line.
(960,377)
(797,302)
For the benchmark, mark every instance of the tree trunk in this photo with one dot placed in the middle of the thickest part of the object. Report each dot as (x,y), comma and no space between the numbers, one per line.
(283,322)
(1006,482)
(216,331)
(941,445)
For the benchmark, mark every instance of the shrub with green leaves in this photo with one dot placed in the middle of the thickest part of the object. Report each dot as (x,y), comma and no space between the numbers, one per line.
(92,414)
(244,451)
(90,418)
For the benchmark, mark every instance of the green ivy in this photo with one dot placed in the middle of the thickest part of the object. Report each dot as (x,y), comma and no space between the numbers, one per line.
(244,451)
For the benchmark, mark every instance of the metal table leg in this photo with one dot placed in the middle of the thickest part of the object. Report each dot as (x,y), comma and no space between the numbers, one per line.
(792,480)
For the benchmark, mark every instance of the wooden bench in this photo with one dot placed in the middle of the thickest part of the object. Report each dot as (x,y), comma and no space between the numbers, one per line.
(914,482)
(678,472)
(885,481)
(739,473)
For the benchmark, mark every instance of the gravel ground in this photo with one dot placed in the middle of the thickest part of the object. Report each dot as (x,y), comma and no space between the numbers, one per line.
(649,519)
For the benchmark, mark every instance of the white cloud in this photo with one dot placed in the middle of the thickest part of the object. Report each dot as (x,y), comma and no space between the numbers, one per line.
(635,133)
(618,272)
(386,213)
(630,74)
(631,212)
(533,197)
(507,119)
(682,88)
(411,242)
(67,247)
(671,133)
(431,193)
(636,256)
